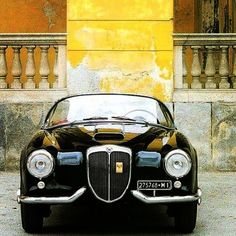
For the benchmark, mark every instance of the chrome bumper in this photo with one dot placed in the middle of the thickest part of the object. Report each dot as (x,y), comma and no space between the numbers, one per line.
(167,199)
(50,200)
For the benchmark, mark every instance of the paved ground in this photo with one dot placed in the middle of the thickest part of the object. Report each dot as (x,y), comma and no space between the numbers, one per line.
(216,215)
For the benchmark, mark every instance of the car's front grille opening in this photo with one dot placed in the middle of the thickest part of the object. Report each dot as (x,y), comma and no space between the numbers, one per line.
(109,170)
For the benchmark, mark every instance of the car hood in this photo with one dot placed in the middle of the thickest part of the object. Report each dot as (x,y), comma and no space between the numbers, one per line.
(81,137)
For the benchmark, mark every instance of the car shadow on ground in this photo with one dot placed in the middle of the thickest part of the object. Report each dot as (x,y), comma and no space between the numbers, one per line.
(109,220)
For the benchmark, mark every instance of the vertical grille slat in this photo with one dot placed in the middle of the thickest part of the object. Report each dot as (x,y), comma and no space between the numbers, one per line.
(106,181)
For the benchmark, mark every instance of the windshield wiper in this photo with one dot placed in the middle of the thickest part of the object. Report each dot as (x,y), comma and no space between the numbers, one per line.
(123,118)
(96,118)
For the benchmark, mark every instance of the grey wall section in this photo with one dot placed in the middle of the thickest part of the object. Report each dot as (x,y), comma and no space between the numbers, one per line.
(2,136)
(211,127)
(18,123)
(224,136)
(194,120)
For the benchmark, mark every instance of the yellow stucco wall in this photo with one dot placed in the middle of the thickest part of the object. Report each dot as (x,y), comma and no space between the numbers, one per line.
(125,45)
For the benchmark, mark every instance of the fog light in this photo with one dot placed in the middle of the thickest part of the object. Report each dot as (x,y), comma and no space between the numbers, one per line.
(177,184)
(41,185)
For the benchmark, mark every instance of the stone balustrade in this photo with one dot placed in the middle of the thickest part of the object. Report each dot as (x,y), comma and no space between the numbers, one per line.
(204,62)
(33,61)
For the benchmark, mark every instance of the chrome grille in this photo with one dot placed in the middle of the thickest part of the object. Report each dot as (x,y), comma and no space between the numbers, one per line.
(109,170)
(119,180)
(98,169)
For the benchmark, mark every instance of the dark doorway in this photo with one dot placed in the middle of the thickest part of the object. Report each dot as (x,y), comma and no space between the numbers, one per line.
(205,16)
(216,16)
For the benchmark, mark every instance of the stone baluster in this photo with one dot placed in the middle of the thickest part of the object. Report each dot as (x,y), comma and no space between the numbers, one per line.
(44,69)
(30,68)
(210,68)
(16,68)
(234,69)
(184,69)
(196,68)
(55,69)
(62,83)
(224,68)
(3,67)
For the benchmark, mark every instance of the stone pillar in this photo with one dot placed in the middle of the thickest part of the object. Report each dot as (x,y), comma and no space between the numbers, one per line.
(30,68)
(55,69)
(3,66)
(196,68)
(185,82)
(62,83)
(224,68)
(178,67)
(234,69)
(44,69)
(16,68)
(210,68)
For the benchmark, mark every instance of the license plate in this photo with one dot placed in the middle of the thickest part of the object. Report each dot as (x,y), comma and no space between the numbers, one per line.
(154,185)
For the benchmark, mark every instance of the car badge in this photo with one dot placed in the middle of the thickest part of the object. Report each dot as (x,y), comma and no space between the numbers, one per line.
(119,167)
(109,149)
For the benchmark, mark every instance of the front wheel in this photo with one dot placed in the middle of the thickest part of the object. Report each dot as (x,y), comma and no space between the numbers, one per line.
(185,217)
(31,217)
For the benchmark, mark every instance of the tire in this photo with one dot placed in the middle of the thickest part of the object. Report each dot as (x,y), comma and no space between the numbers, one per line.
(185,217)
(31,217)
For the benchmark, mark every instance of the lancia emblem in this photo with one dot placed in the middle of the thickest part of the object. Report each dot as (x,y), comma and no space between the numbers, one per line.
(119,167)
(109,149)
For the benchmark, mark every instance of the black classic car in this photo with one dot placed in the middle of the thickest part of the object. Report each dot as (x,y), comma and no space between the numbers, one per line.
(108,149)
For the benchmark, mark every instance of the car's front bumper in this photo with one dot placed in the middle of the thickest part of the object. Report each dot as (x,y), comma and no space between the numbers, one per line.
(137,194)
(50,200)
(168,199)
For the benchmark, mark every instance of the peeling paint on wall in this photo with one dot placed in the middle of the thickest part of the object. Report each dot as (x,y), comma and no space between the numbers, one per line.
(83,79)
(129,52)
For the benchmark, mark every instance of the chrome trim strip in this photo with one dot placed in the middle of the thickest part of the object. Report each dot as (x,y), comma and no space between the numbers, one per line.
(107,149)
(167,199)
(50,200)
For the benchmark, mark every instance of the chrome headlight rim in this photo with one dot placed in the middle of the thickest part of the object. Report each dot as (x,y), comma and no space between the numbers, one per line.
(33,155)
(171,154)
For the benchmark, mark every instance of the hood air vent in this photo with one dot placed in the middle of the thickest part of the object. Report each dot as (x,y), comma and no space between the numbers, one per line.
(108,136)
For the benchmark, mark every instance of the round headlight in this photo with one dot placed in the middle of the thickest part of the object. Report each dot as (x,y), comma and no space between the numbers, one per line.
(40,163)
(177,163)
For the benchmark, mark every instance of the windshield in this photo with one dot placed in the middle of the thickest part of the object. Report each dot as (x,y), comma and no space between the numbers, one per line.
(108,107)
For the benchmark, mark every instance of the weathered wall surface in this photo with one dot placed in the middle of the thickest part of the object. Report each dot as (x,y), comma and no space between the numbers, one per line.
(186,16)
(121,46)
(28,16)
(194,120)
(224,136)
(18,123)
(211,127)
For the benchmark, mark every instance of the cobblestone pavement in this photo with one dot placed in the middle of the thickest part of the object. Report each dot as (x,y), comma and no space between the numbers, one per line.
(216,215)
